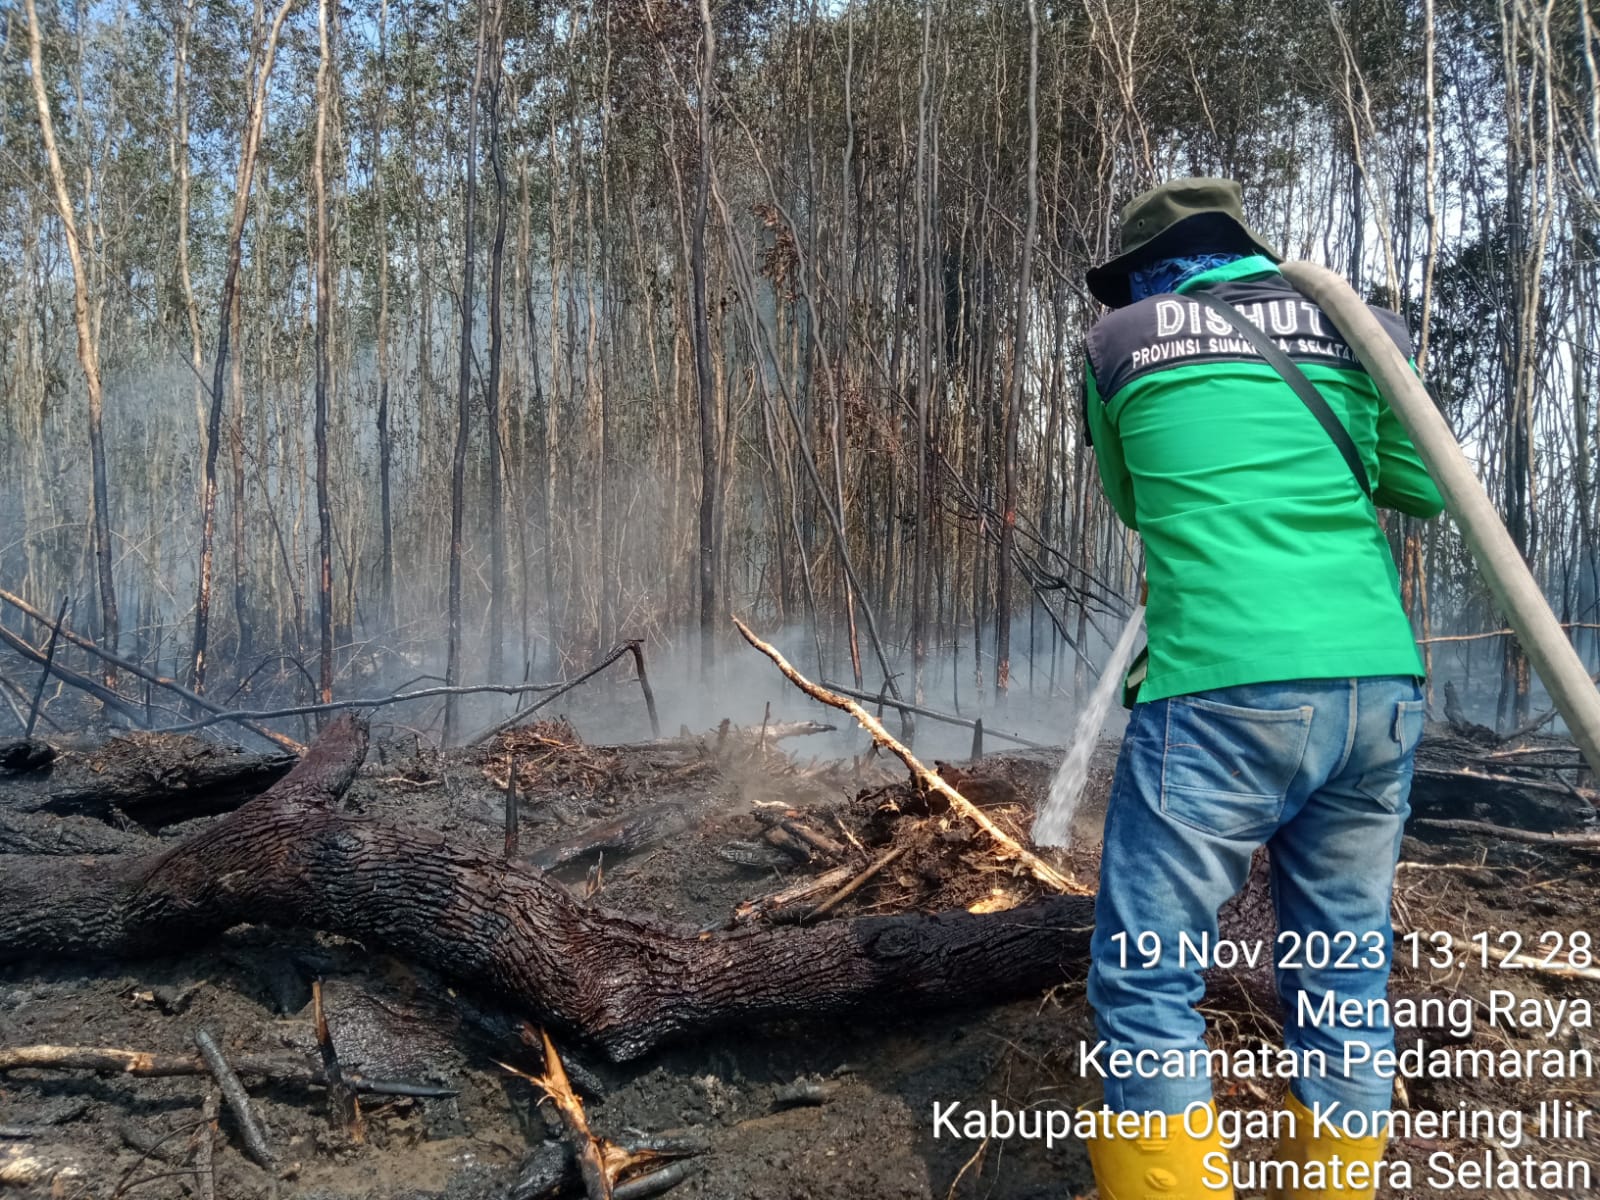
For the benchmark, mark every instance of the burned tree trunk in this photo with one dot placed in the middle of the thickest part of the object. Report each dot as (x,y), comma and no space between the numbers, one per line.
(154,779)
(458,464)
(627,982)
(705,393)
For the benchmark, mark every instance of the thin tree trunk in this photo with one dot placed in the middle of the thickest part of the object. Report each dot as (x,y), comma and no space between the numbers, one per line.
(180,164)
(704,391)
(255,111)
(925,279)
(88,345)
(458,474)
(497,529)
(386,614)
(324,367)
(1019,366)
(241,605)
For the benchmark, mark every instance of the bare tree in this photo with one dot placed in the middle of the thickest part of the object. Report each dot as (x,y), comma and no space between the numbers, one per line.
(1019,367)
(705,392)
(324,368)
(255,114)
(497,529)
(86,318)
(458,470)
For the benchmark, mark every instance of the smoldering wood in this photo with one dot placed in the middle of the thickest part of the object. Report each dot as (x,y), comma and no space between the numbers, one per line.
(152,778)
(513,833)
(1005,844)
(1447,789)
(813,837)
(561,689)
(626,982)
(625,835)
(656,1183)
(790,903)
(589,1151)
(1460,775)
(344,1111)
(1586,841)
(550,1172)
(860,881)
(778,836)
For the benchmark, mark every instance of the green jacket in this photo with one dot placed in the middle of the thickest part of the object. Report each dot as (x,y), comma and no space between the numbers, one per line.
(1265,561)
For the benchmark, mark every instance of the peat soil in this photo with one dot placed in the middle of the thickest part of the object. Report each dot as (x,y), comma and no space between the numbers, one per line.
(801,1113)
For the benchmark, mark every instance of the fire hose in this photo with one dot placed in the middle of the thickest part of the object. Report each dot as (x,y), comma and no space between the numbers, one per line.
(1501,564)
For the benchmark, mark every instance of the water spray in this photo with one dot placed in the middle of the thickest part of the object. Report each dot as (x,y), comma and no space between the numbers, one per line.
(1053,825)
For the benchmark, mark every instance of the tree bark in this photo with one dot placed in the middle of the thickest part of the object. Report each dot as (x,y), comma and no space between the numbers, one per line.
(626,982)
(386,613)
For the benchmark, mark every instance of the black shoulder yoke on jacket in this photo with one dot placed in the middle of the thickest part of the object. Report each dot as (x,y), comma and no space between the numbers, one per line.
(1163,332)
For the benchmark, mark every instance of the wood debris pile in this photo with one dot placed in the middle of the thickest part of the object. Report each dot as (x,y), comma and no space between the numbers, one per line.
(549,756)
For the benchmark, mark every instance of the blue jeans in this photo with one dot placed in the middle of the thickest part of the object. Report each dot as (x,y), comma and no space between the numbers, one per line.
(1317,770)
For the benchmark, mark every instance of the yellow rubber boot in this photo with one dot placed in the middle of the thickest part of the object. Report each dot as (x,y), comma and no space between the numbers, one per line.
(1306,1146)
(1157,1168)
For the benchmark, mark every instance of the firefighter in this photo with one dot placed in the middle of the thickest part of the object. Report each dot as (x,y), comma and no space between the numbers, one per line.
(1281,698)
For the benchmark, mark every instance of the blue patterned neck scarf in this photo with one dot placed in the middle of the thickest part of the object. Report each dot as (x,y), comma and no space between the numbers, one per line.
(1168,274)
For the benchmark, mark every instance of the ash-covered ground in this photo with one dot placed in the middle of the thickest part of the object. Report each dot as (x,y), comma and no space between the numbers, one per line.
(800,1112)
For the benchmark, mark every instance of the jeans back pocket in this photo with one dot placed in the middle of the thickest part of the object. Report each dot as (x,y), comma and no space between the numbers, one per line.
(1226,770)
(1389,762)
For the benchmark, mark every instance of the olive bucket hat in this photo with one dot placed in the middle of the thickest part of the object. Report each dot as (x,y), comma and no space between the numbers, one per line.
(1182,215)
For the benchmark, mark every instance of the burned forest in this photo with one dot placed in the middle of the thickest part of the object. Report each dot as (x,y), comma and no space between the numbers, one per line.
(552,558)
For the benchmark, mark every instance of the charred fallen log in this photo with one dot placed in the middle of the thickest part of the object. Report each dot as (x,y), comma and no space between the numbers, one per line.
(628,983)
(1456,780)
(152,778)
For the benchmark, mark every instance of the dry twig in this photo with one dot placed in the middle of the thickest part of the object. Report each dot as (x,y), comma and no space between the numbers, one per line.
(1580,840)
(859,882)
(789,899)
(1041,870)
(1533,785)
